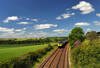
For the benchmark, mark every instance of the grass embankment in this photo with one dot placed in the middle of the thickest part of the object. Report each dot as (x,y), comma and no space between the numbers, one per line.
(7,53)
(86,55)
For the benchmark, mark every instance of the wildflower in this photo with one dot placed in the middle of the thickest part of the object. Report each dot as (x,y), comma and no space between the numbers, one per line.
(21,56)
(77,43)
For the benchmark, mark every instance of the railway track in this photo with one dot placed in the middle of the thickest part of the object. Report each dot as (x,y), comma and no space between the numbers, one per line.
(58,59)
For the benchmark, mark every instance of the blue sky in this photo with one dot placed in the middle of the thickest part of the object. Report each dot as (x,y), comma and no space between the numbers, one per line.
(46,18)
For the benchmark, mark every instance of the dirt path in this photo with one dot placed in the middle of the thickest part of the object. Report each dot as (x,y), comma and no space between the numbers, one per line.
(58,59)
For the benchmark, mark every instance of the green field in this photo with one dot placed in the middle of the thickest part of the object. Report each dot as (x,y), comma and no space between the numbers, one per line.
(7,53)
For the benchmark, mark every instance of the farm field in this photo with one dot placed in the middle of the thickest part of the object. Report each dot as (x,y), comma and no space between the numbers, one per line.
(7,53)
(2,46)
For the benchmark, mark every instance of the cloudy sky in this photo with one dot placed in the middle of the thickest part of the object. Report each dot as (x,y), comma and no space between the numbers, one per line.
(45,18)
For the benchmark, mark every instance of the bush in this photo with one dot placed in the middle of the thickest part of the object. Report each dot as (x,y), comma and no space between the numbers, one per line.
(76,34)
(77,43)
(91,35)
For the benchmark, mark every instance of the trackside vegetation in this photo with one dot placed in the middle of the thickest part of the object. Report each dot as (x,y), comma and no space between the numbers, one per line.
(86,54)
(26,60)
(76,34)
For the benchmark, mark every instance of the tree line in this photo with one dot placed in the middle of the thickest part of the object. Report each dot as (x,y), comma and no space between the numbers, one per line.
(32,40)
(77,34)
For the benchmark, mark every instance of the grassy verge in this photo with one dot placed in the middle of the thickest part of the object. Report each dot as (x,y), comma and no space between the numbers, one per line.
(70,58)
(7,53)
(43,58)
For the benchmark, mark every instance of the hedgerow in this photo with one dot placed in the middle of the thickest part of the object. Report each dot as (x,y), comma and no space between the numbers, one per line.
(27,60)
(34,41)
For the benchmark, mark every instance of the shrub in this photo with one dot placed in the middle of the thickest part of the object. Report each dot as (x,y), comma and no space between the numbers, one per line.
(76,34)
(77,43)
(91,35)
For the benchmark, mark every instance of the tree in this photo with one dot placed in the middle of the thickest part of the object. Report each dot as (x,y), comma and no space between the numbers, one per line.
(98,34)
(76,34)
(91,35)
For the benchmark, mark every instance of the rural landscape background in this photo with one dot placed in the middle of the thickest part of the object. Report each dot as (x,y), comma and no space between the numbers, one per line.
(49,34)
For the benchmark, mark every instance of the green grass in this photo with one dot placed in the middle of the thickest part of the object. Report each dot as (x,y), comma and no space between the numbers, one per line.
(7,53)
(13,45)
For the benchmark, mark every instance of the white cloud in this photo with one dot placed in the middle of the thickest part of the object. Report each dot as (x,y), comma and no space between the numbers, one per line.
(84,7)
(12,18)
(27,18)
(82,24)
(64,16)
(12,33)
(61,30)
(97,23)
(73,14)
(98,14)
(3,29)
(18,30)
(35,20)
(24,28)
(88,30)
(67,9)
(23,23)
(59,18)
(37,34)
(44,26)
